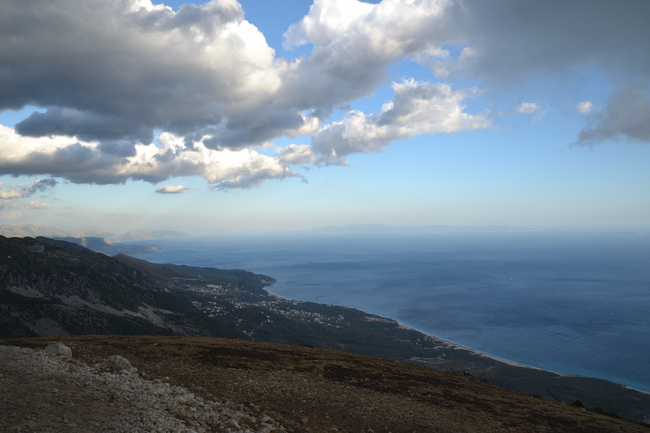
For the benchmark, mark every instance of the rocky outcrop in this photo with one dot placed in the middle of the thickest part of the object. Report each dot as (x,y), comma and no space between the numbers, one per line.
(59,349)
(117,364)
(111,402)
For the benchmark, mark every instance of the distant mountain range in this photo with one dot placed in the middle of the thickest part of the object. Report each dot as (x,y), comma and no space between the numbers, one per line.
(86,233)
(380,228)
(33,231)
(102,245)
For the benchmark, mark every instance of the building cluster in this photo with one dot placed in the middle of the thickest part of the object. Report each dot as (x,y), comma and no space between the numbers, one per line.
(279,306)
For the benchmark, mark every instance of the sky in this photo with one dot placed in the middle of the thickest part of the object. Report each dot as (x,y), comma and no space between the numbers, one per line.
(264,116)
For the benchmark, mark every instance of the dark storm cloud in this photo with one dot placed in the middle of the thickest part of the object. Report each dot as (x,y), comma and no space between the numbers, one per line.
(255,127)
(627,115)
(86,126)
(40,185)
(510,40)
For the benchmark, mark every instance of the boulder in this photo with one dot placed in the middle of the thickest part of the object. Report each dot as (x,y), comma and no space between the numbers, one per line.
(59,349)
(118,363)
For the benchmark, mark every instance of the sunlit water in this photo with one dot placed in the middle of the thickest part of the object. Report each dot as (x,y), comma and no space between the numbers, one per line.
(567,303)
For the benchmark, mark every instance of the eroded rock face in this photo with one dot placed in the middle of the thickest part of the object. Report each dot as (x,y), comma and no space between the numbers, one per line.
(118,363)
(59,349)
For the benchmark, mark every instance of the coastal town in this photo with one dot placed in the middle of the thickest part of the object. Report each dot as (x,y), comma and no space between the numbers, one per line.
(225,303)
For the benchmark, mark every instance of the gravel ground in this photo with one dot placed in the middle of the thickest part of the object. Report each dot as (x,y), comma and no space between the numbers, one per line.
(41,392)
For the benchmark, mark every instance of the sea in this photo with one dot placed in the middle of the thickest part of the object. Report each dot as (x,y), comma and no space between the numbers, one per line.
(572,303)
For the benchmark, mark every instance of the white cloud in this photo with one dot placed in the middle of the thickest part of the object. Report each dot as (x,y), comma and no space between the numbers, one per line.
(113,71)
(355,43)
(10,194)
(527,108)
(171,189)
(295,154)
(326,22)
(418,108)
(35,204)
(83,162)
(584,107)
(106,74)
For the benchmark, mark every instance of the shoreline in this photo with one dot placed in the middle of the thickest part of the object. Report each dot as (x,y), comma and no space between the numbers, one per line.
(509,362)
(446,342)
(457,346)
(474,351)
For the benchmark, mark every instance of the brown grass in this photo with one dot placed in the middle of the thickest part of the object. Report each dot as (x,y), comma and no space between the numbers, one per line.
(314,390)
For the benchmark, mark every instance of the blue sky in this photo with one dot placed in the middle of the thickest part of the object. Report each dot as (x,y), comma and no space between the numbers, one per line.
(273,116)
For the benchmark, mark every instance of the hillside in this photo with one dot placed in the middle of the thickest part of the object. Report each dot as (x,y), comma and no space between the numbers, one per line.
(46,290)
(303,390)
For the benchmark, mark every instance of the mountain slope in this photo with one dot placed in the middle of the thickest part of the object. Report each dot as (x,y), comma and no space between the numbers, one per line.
(312,390)
(46,290)
(49,290)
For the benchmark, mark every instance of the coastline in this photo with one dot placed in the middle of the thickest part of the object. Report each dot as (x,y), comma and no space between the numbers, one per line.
(433,337)
(294,269)
(509,362)
(474,351)
(275,295)
(457,346)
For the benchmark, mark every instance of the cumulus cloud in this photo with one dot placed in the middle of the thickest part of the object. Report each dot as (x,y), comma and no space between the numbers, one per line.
(502,43)
(108,75)
(21,190)
(83,162)
(295,154)
(171,189)
(355,43)
(135,68)
(627,115)
(418,108)
(527,108)
(204,75)
(10,194)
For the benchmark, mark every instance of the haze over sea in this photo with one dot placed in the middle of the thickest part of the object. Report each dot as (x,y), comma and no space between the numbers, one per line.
(570,303)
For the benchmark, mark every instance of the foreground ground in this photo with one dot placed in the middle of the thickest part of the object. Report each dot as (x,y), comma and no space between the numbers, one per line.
(303,389)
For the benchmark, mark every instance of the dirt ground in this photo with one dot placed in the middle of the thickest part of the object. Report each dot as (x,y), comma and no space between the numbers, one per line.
(305,389)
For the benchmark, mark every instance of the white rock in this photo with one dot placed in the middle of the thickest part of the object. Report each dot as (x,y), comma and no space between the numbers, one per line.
(118,363)
(59,349)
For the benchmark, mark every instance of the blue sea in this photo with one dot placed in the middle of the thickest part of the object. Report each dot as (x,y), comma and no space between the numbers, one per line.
(569,303)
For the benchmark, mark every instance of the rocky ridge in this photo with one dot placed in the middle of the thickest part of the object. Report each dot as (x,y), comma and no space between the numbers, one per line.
(192,383)
(121,400)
